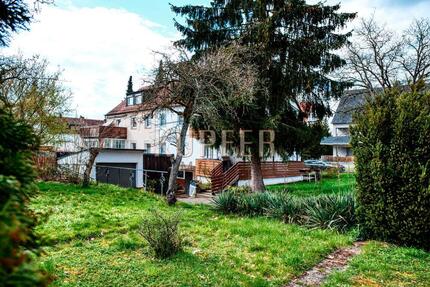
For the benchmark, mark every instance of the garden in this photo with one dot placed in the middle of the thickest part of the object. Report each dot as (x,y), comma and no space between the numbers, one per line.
(93,237)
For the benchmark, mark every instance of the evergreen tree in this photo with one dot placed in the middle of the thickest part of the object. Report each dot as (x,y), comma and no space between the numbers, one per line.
(14,16)
(130,85)
(296,43)
(18,242)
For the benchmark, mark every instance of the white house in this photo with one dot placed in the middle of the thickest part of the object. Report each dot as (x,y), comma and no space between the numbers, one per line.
(136,126)
(349,103)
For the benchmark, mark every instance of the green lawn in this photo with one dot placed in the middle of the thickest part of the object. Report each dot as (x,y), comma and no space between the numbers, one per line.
(386,266)
(344,183)
(92,240)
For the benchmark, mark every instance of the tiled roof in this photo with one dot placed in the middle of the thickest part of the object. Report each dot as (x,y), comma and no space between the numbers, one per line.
(81,121)
(147,104)
(350,102)
(339,140)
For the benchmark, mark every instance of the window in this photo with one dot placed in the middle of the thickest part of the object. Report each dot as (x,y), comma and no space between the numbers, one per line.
(148,148)
(163,148)
(138,100)
(348,151)
(114,143)
(181,174)
(133,145)
(119,144)
(148,121)
(208,152)
(118,121)
(162,119)
(133,122)
(89,143)
(130,100)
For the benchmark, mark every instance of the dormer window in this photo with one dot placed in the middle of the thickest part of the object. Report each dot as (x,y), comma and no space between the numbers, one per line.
(135,99)
(130,100)
(138,100)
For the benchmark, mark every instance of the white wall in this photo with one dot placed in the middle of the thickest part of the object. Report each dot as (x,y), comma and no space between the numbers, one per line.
(270,181)
(107,156)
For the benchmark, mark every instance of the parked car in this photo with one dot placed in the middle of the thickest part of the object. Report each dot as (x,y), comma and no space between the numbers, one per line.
(320,164)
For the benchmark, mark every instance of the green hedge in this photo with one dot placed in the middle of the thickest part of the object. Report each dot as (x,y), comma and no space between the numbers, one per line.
(18,242)
(391,143)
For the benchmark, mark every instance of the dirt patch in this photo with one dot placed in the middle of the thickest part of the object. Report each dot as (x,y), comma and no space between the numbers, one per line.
(336,261)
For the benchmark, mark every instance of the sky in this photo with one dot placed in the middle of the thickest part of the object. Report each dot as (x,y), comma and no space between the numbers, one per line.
(98,44)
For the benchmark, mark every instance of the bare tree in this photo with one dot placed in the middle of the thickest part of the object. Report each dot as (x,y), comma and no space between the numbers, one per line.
(35,95)
(415,59)
(380,58)
(197,87)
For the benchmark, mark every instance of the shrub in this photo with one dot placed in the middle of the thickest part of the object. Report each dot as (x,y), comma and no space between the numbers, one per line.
(254,203)
(238,200)
(205,186)
(390,141)
(161,231)
(239,189)
(18,242)
(226,202)
(332,172)
(286,207)
(334,211)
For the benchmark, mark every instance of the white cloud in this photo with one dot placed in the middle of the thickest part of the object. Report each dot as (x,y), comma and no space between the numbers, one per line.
(98,48)
(395,14)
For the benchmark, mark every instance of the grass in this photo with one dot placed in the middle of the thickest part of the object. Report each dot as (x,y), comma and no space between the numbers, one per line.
(92,239)
(386,266)
(344,183)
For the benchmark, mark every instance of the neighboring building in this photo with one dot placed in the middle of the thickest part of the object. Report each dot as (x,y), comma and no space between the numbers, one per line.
(71,141)
(136,129)
(349,103)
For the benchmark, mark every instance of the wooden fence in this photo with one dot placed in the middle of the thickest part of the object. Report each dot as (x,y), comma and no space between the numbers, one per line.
(242,171)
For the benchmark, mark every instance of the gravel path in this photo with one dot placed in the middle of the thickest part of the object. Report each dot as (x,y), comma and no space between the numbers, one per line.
(337,260)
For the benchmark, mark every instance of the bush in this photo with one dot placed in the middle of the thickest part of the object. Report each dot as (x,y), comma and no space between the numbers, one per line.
(336,211)
(204,186)
(226,202)
(18,242)
(391,143)
(286,207)
(332,172)
(161,231)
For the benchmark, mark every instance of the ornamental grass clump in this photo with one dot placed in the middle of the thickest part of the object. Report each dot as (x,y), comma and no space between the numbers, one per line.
(334,211)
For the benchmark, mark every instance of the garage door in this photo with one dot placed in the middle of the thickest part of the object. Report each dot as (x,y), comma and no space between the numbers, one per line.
(122,174)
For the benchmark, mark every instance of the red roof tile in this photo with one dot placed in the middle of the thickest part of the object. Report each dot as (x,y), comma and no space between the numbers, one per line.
(81,121)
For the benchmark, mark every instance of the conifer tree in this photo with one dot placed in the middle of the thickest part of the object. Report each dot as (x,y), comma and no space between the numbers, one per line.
(130,85)
(296,43)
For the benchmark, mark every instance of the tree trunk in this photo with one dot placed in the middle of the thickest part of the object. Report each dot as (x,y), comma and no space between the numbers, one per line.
(89,166)
(172,186)
(180,150)
(257,183)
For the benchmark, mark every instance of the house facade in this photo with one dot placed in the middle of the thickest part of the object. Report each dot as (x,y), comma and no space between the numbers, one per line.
(349,103)
(137,128)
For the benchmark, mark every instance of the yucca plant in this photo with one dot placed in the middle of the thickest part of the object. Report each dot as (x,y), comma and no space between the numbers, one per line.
(286,207)
(335,211)
(254,203)
(226,202)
